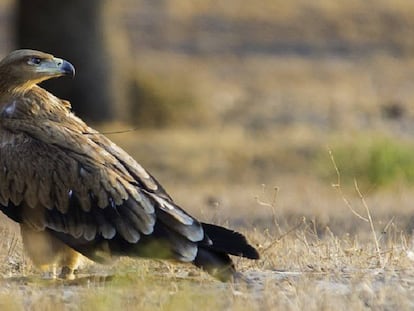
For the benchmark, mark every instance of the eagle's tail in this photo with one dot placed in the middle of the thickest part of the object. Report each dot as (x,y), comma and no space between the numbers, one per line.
(215,259)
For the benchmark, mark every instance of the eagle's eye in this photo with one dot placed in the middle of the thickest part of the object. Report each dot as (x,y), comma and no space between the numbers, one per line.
(34,61)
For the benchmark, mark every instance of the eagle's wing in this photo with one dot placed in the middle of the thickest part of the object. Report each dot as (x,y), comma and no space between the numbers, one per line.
(66,178)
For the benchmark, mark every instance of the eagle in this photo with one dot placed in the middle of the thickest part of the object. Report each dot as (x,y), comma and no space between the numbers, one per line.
(73,191)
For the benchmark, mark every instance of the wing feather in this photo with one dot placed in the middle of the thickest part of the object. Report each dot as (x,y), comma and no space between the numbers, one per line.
(31,195)
(121,224)
(134,212)
(79,184)
(178,220)
(4,191)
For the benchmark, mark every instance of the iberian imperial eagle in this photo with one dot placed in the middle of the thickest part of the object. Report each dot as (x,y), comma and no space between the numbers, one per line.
(73,191)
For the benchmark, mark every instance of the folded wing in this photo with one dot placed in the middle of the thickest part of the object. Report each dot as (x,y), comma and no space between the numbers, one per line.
(75,183)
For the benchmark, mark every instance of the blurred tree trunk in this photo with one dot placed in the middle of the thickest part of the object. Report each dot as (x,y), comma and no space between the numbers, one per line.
(76,31)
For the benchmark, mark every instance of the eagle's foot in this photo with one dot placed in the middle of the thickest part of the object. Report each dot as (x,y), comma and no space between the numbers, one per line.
(67,273)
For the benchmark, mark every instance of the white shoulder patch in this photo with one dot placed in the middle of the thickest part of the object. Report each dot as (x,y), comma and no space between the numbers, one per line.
(9,109)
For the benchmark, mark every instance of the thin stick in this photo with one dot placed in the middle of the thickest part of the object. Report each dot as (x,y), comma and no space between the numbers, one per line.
(300,223)
(120,131)
(272,205)
(338,187)
(371,223)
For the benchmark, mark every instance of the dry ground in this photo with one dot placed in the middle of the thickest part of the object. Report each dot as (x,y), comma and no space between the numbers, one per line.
(339,76)
(300,269)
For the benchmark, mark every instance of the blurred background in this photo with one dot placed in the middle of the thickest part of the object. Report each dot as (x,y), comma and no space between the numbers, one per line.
(233,99)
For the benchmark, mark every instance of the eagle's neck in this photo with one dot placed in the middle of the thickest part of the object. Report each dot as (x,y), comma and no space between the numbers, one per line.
(10,83)
(10,89)
(34,102)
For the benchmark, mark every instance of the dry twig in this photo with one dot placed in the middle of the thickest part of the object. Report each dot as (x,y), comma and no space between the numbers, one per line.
(364,203)
(338,187)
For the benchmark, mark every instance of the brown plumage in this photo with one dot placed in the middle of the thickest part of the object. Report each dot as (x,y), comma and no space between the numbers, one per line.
(74,191)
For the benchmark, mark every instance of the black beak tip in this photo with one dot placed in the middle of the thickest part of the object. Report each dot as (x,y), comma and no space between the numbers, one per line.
(67,69)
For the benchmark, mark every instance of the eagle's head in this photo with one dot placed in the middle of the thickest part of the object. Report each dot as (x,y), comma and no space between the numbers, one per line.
(22,69)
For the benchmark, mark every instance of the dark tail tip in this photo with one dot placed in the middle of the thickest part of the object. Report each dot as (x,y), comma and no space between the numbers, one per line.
(229,241)
(214,257)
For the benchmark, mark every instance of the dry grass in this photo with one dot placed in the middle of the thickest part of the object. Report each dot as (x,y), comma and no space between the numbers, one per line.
(301,268)
(316,254)
(270,120)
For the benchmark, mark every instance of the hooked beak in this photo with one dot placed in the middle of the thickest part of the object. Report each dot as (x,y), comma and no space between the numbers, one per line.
(55,67)
(64,67)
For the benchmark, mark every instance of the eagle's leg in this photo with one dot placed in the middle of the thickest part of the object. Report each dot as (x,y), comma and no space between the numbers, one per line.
(48,253)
